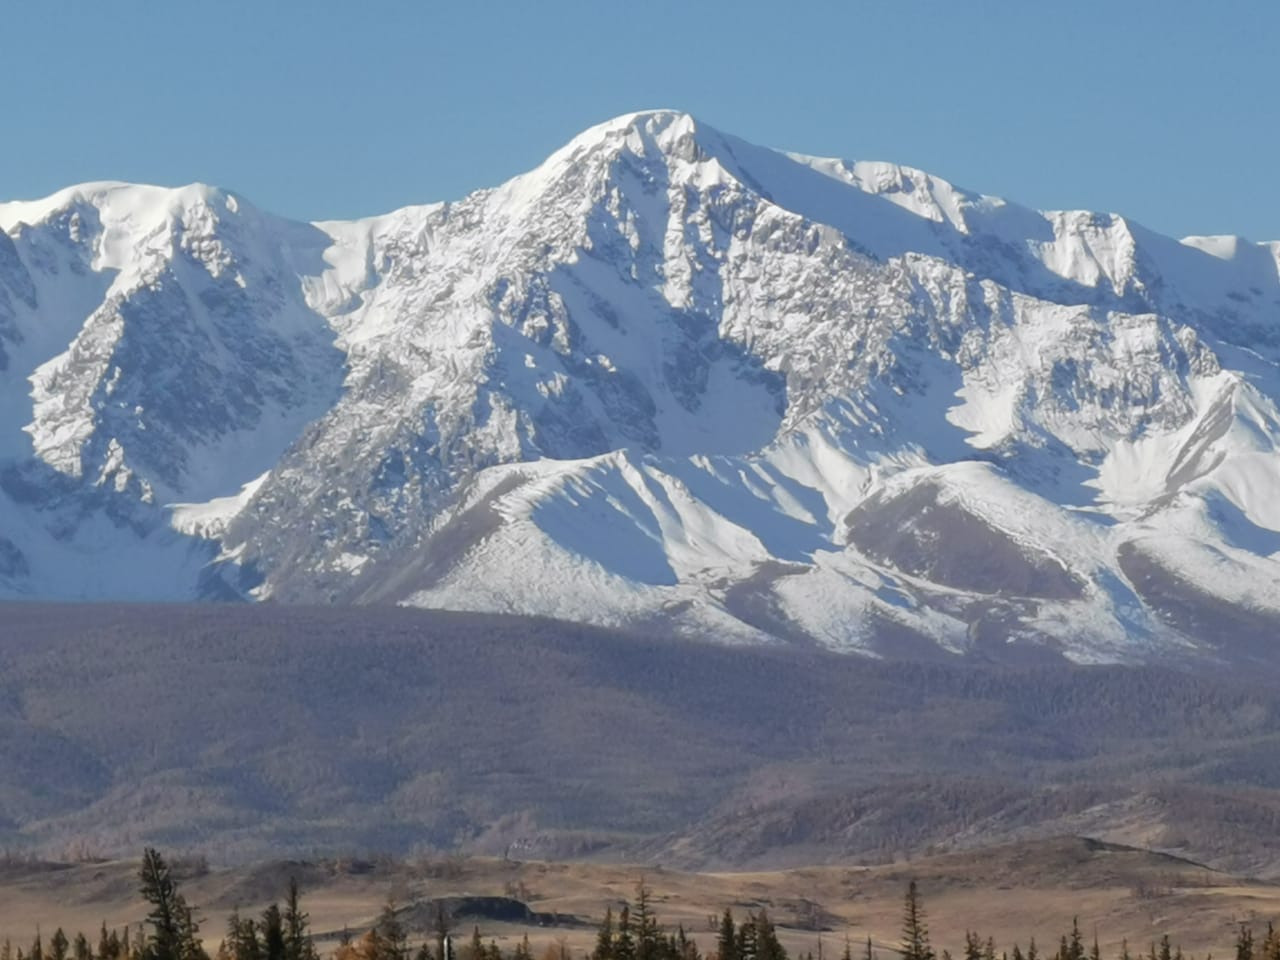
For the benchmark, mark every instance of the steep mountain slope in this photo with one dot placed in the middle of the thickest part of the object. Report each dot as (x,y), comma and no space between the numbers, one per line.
(667,377)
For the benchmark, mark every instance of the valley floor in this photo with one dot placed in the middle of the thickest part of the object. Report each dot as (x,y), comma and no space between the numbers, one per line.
(1010,892)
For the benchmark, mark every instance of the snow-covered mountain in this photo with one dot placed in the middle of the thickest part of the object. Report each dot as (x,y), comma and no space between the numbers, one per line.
(667,377)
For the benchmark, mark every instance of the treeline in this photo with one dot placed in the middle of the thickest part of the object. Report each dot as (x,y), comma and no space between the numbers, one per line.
(172,932)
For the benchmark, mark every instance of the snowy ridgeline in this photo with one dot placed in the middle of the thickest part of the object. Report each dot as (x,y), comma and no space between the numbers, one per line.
(666,378)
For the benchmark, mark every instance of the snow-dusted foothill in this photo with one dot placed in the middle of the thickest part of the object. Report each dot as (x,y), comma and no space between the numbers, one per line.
(666,378)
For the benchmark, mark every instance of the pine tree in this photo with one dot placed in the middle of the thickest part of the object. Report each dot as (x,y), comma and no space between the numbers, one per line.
(476,950)
(645,924)
(767,945)
(1244,943)
(746,945)
(272,933)
(396,938)
(972,946)
(727,941)
(80,949)
(1075,945)
(37,947)
(624,945)
(58,945)
(297,927)
(915,933)
(604,937)
(165,916)
(189,945)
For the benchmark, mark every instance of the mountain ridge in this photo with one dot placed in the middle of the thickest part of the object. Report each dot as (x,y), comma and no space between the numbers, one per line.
(661,378)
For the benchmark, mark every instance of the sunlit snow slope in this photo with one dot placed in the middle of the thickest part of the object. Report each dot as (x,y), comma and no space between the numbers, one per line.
(666,378)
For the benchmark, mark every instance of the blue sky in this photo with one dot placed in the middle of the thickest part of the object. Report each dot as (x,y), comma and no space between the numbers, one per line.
(1164,111)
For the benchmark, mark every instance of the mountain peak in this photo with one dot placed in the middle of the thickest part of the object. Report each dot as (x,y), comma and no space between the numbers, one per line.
(668,377)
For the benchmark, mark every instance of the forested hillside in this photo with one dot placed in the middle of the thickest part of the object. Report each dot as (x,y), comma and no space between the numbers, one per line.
(239,731)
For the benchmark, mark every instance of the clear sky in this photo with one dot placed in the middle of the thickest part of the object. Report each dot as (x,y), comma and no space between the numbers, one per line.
(1164,111)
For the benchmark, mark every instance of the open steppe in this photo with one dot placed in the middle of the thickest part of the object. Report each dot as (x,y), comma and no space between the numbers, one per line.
(1009,891)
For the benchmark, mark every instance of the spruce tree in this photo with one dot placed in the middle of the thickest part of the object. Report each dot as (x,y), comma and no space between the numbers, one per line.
(645,925)
(272,933)
(727,941)
(624,945)
(166,908)
(604,937)
(395,936)
(58,945)
(767,945)
(1244,943)
(297,927)
(915,933)
(80,949)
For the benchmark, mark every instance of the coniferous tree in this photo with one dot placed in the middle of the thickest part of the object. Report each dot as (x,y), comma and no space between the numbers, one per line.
(80,949)
(166,909)
(870,954)
(915,932)
(645,926)
(1075,943)
(972,946)
(58,945)
(727,941)
(395,938)
(272,933)
(190,947)
(37,947)
(767,945)
(604,937)
(297,927)
(1244,943)
(624,945)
